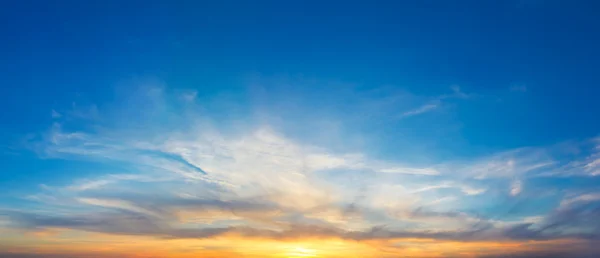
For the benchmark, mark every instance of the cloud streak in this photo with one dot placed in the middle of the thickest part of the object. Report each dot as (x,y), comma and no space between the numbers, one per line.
(420,110)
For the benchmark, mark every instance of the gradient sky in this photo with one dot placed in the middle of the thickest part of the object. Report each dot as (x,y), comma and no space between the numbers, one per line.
(300,128)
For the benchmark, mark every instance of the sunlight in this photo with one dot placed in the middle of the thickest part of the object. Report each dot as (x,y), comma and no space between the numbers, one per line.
(301,252)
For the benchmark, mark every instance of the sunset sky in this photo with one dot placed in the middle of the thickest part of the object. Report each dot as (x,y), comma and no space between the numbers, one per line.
(299,129)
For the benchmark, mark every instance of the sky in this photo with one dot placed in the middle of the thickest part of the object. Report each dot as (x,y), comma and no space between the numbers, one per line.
(299,129)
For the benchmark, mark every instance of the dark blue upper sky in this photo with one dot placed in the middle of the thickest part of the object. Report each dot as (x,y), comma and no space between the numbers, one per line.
(52,51)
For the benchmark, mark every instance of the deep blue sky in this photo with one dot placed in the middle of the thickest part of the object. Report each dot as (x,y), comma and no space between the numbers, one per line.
(55,50)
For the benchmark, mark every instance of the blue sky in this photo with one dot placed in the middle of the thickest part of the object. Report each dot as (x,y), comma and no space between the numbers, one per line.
(420,115)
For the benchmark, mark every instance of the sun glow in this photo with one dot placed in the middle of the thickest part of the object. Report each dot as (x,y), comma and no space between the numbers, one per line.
(301,252)
(59,241)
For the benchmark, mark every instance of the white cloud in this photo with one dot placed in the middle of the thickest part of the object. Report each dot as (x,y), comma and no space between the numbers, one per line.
(432,187)
(435,103)
(506,164)
(410,171)
(119,204)
(422,109)
(579,166)
(593,167)
(104,181)
(88,185)
(441,200)
(468,190)
(472,191)
(583,198)
(516,187)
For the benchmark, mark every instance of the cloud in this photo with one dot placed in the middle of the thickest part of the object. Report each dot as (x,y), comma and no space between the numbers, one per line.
(420,110)
(441,200)
(118,204)
(436,103)
(468,190)
(47,255)
(410,171)
(507,164)
(103,181)
(584,164)
(472,191)
(593,167)
(579,199)
(89,185)
(135,224)
(190,175)
(123,223)
(516,187)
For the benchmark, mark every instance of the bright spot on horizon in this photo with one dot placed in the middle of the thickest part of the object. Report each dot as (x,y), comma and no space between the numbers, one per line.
(302,252)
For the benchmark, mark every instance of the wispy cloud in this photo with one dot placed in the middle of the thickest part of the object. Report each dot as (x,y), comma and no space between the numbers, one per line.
(410,171)
(190,175)
(436,102)
(422,109)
